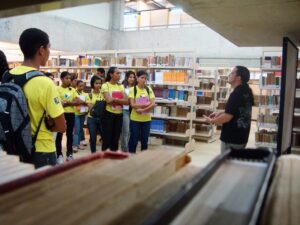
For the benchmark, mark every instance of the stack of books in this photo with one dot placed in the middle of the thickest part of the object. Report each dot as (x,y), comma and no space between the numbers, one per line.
(157,125)
(272,79)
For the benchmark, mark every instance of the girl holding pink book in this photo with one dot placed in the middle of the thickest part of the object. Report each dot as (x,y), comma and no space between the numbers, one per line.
(142,100)
(112,120)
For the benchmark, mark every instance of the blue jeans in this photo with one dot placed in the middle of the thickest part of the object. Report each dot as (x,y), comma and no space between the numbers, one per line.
(78,129)
(138,131)
(125,131)
(94,126)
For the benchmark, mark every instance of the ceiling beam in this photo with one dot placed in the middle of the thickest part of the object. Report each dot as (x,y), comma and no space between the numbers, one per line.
(16,7)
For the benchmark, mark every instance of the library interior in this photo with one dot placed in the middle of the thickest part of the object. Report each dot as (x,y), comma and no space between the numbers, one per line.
(149,112)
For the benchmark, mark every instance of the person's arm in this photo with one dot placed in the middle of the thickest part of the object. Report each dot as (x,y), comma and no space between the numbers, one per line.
(219,120)
(59,124)
(147,107)
(76,102)
(123,101)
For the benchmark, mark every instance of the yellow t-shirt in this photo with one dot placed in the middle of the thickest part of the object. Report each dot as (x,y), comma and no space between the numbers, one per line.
(41,94)
(141,97)
(95,97)
(68,94)
(81,109)
(115,91)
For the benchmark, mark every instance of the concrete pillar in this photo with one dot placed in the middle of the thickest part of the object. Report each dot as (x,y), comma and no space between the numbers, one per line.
(117,15)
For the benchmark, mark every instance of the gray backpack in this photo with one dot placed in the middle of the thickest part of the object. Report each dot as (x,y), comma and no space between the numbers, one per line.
(15,128)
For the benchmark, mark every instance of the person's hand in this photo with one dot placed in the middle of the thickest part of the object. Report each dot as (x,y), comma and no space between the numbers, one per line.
(139,111)
(110,100)
(215,114)
(207,119)
(64,102)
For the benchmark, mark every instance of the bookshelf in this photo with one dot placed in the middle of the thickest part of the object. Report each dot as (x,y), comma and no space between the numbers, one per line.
(171,76)
(268,101)
(296,119)
(206,92)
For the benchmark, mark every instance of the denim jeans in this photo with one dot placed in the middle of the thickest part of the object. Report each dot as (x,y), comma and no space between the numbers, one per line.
(125,131)
(41,159)
(138,131)
(78,129)
(94,126)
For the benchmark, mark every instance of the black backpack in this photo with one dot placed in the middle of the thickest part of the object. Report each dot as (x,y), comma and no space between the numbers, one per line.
(15,128)
(98,110)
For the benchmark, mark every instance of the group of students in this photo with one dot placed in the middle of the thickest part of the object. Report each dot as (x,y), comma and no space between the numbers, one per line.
(126,115)
(54,109)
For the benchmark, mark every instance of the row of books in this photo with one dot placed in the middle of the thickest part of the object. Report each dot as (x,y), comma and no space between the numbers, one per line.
(127,60)
(271,79)
(269,99)
(157,125)
(267,118)
(176,126)
(172,111)
(176,77)
(271,61)
(173,94)
(202,112)
(170,60)
(206,85)
(204,100)
(162,126)
(201,127)
(266,136)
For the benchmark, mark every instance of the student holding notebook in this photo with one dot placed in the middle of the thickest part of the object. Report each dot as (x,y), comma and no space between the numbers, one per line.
(112,120)
(142,100)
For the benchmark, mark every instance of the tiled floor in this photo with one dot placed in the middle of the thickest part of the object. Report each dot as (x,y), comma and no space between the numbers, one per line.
(201,156)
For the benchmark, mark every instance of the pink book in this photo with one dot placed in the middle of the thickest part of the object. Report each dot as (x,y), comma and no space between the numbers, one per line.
(118,95)
(142,101)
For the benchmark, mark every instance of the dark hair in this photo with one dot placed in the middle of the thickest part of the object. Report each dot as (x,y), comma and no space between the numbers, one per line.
(101,70)
(94,79)
(3,64)
(64,74)
(78,82)
(31,40)
(127,75)
(110,71)
(141,73)
(73,76)
(244,73)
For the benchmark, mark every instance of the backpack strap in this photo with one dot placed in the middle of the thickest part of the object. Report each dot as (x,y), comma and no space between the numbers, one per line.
(21,79)
(34,138)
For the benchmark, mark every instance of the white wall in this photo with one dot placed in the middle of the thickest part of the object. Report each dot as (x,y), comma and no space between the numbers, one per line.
(97,15)
(65,35)
(205,41)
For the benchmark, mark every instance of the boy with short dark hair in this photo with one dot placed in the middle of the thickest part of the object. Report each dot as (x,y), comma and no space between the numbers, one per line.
(41,94)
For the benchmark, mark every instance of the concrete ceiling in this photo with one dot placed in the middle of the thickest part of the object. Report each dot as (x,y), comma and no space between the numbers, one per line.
(243,22)
(17,7)
(248,22)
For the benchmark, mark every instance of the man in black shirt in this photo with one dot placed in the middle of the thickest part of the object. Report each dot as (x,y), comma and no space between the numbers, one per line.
(236,119)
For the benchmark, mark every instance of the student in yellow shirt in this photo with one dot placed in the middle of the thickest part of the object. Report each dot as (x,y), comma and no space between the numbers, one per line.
(94,124)
(69,99)
(129,81)
(142,100)
(112,120)
(41,94)
(80,113)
